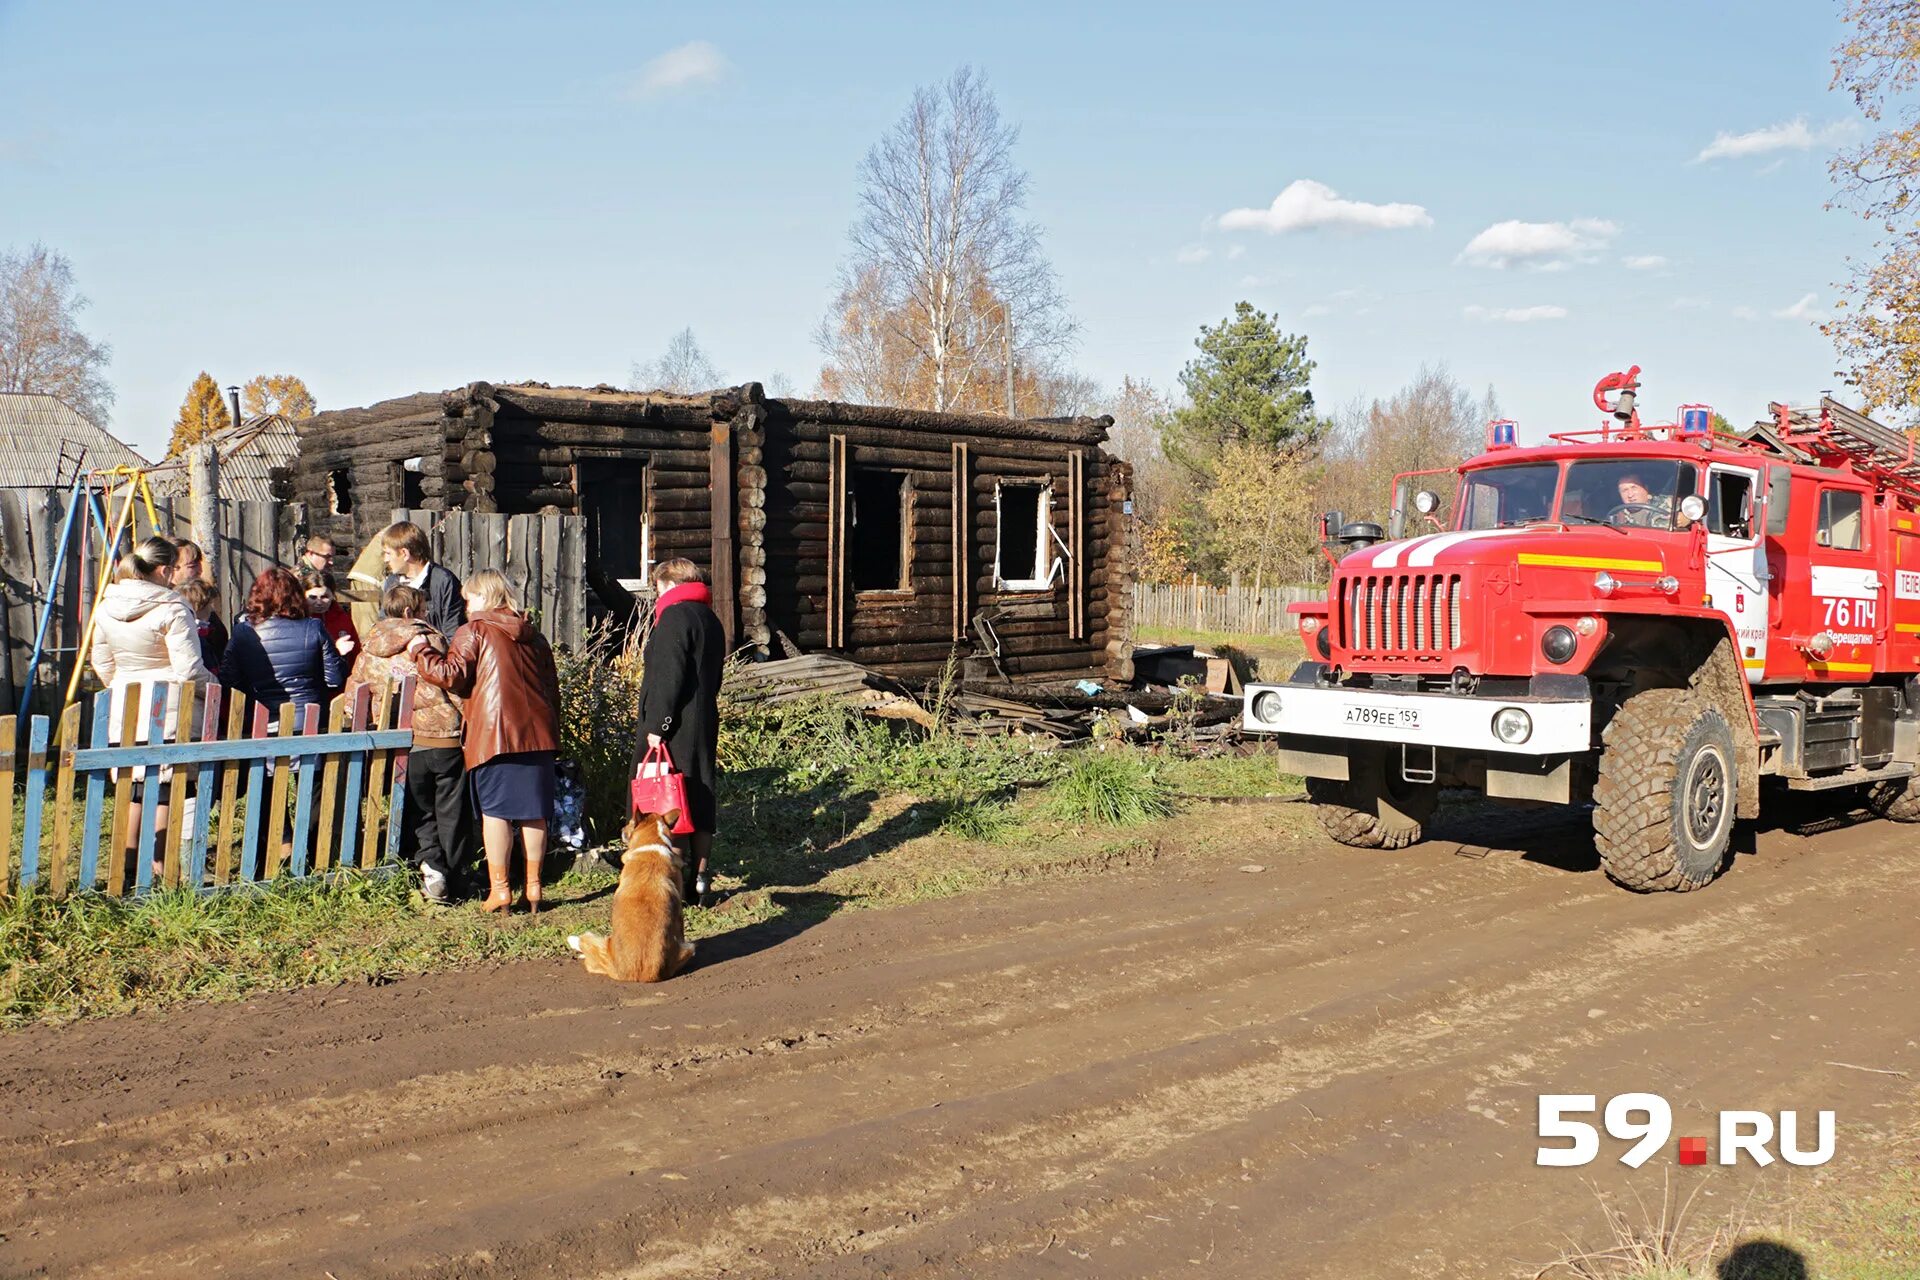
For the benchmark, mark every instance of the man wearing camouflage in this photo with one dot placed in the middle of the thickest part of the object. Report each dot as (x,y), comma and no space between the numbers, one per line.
(1643,509)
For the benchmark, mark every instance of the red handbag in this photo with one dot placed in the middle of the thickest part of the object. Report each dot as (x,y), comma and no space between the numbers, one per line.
(658,787)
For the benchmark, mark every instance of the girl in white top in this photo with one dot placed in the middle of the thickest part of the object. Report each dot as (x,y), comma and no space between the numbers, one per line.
(144,635)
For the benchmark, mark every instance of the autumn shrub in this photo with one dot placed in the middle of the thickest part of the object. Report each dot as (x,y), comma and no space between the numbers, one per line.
(599,715)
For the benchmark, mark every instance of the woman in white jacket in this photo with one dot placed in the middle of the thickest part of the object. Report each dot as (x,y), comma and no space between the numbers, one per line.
(144,635)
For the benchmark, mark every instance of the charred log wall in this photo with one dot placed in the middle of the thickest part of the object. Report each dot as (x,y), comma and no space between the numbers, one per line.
(913,632)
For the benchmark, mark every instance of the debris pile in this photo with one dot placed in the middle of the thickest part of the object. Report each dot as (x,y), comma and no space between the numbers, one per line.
(1179,691)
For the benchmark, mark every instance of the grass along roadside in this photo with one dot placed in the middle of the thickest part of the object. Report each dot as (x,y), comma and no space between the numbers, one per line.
(831,823)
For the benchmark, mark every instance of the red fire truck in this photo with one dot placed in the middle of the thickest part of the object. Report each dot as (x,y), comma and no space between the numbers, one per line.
(1654,619)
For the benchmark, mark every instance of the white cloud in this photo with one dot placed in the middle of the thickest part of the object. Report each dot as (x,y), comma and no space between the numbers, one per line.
(1794,135)
(1805,309)
(1643,262)
(1316,309)
(1745,313)
(1235,251)
(691,65)
(1688,304)
(1192,253)
(1515,315)
(1307,204)
(1541,245)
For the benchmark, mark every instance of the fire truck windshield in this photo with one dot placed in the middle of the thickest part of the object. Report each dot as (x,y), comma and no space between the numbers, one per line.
(1501,497)
(1640,493)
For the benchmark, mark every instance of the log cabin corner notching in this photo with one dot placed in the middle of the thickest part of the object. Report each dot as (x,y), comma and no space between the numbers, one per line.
(895,537)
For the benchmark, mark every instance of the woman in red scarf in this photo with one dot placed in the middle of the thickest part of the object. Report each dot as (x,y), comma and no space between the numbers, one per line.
(679,699)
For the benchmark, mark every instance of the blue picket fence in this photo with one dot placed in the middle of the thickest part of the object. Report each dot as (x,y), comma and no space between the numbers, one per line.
(248,796)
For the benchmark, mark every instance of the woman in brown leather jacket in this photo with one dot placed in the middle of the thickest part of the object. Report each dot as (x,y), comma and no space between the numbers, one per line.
(503,671)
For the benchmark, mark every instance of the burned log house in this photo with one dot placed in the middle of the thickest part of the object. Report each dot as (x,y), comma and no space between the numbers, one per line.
(894,537)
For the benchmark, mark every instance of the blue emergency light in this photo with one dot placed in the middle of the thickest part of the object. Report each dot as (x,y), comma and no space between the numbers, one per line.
(1500,433)
(1696,419)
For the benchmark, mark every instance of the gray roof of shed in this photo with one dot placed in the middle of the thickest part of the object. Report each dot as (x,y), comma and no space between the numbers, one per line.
(249,453)
(32,427)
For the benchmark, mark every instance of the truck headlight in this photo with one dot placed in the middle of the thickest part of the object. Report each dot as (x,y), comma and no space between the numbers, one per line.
(1512,726)
(1558,644)
(1266,707)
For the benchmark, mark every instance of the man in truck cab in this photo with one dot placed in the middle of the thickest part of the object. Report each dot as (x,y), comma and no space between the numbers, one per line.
(1640,507)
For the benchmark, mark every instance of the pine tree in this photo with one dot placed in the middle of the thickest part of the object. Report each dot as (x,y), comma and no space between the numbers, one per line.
(203,413)
(1249,386)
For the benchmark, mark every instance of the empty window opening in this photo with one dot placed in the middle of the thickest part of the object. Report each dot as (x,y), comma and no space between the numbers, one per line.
(1840,519)
(340,492)
(410,481)
(616,499)
(1729,504)
(879,546)
(1023,559)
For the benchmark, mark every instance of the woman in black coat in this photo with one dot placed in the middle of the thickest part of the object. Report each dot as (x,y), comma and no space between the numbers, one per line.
(679,699)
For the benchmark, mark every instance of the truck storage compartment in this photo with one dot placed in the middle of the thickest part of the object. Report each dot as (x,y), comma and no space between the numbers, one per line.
(1832,733)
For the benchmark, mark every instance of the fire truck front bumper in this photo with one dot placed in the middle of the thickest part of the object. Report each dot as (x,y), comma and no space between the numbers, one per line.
(1523,726)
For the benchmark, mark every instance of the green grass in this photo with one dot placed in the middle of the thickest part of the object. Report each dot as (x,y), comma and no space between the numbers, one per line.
(1115,788)
(823,810)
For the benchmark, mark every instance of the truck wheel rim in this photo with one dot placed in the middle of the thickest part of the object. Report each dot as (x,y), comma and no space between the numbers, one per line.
(1706,797)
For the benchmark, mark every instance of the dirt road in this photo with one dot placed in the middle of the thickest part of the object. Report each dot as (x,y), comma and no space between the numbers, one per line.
(1326,1069)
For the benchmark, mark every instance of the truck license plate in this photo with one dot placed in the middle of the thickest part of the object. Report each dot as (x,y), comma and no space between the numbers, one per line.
(1407,718)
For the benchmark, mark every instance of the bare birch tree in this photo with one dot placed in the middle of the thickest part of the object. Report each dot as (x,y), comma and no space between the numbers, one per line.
(683,369)
(946,277)
(41,345)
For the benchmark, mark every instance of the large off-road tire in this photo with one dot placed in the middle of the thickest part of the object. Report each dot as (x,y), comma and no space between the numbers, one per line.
(1897,800)
(1368,811)
(1663,802)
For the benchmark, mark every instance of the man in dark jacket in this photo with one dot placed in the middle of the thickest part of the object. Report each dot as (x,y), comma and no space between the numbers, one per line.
(409,560)
(679,699)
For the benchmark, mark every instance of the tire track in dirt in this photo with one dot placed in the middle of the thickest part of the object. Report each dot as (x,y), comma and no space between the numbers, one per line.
(1108,1077)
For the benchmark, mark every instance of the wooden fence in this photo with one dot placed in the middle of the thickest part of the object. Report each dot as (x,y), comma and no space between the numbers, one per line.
(543,556)
(300,801)
(253,536)
(1197,606)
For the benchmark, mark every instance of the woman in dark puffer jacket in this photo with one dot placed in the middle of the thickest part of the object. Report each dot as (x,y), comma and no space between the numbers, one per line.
(278,654)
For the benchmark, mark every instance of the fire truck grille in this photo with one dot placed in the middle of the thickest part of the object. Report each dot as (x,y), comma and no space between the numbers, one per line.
(1405,614)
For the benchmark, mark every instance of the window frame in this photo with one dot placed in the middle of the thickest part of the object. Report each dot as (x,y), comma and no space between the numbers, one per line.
(1045,562)
(1823,525)
(904,476)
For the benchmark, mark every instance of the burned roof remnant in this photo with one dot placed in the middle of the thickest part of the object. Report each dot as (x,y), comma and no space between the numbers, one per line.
(897,538)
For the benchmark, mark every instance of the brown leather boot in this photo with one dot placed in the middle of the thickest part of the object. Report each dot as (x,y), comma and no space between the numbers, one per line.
(531,891)
(499,892)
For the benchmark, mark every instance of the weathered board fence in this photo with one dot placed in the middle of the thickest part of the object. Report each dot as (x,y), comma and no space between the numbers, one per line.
(249,796)
(253,536)
(1198,606)
(543,556)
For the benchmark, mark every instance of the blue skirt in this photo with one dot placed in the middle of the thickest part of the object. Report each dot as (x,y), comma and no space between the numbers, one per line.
(518,786)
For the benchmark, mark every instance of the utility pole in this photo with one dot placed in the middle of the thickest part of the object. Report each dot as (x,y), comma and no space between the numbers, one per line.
(1006,338)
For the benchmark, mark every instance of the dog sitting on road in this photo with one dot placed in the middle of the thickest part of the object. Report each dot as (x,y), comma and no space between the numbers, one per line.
(649,931)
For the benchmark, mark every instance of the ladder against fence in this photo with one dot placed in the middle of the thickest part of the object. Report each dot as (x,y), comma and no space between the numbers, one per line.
(251,795)
(1199,606)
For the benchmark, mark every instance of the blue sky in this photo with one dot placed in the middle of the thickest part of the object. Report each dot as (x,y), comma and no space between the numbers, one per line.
(394,197)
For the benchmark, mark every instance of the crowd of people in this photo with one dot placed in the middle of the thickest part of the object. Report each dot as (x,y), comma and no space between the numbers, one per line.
(486,709)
